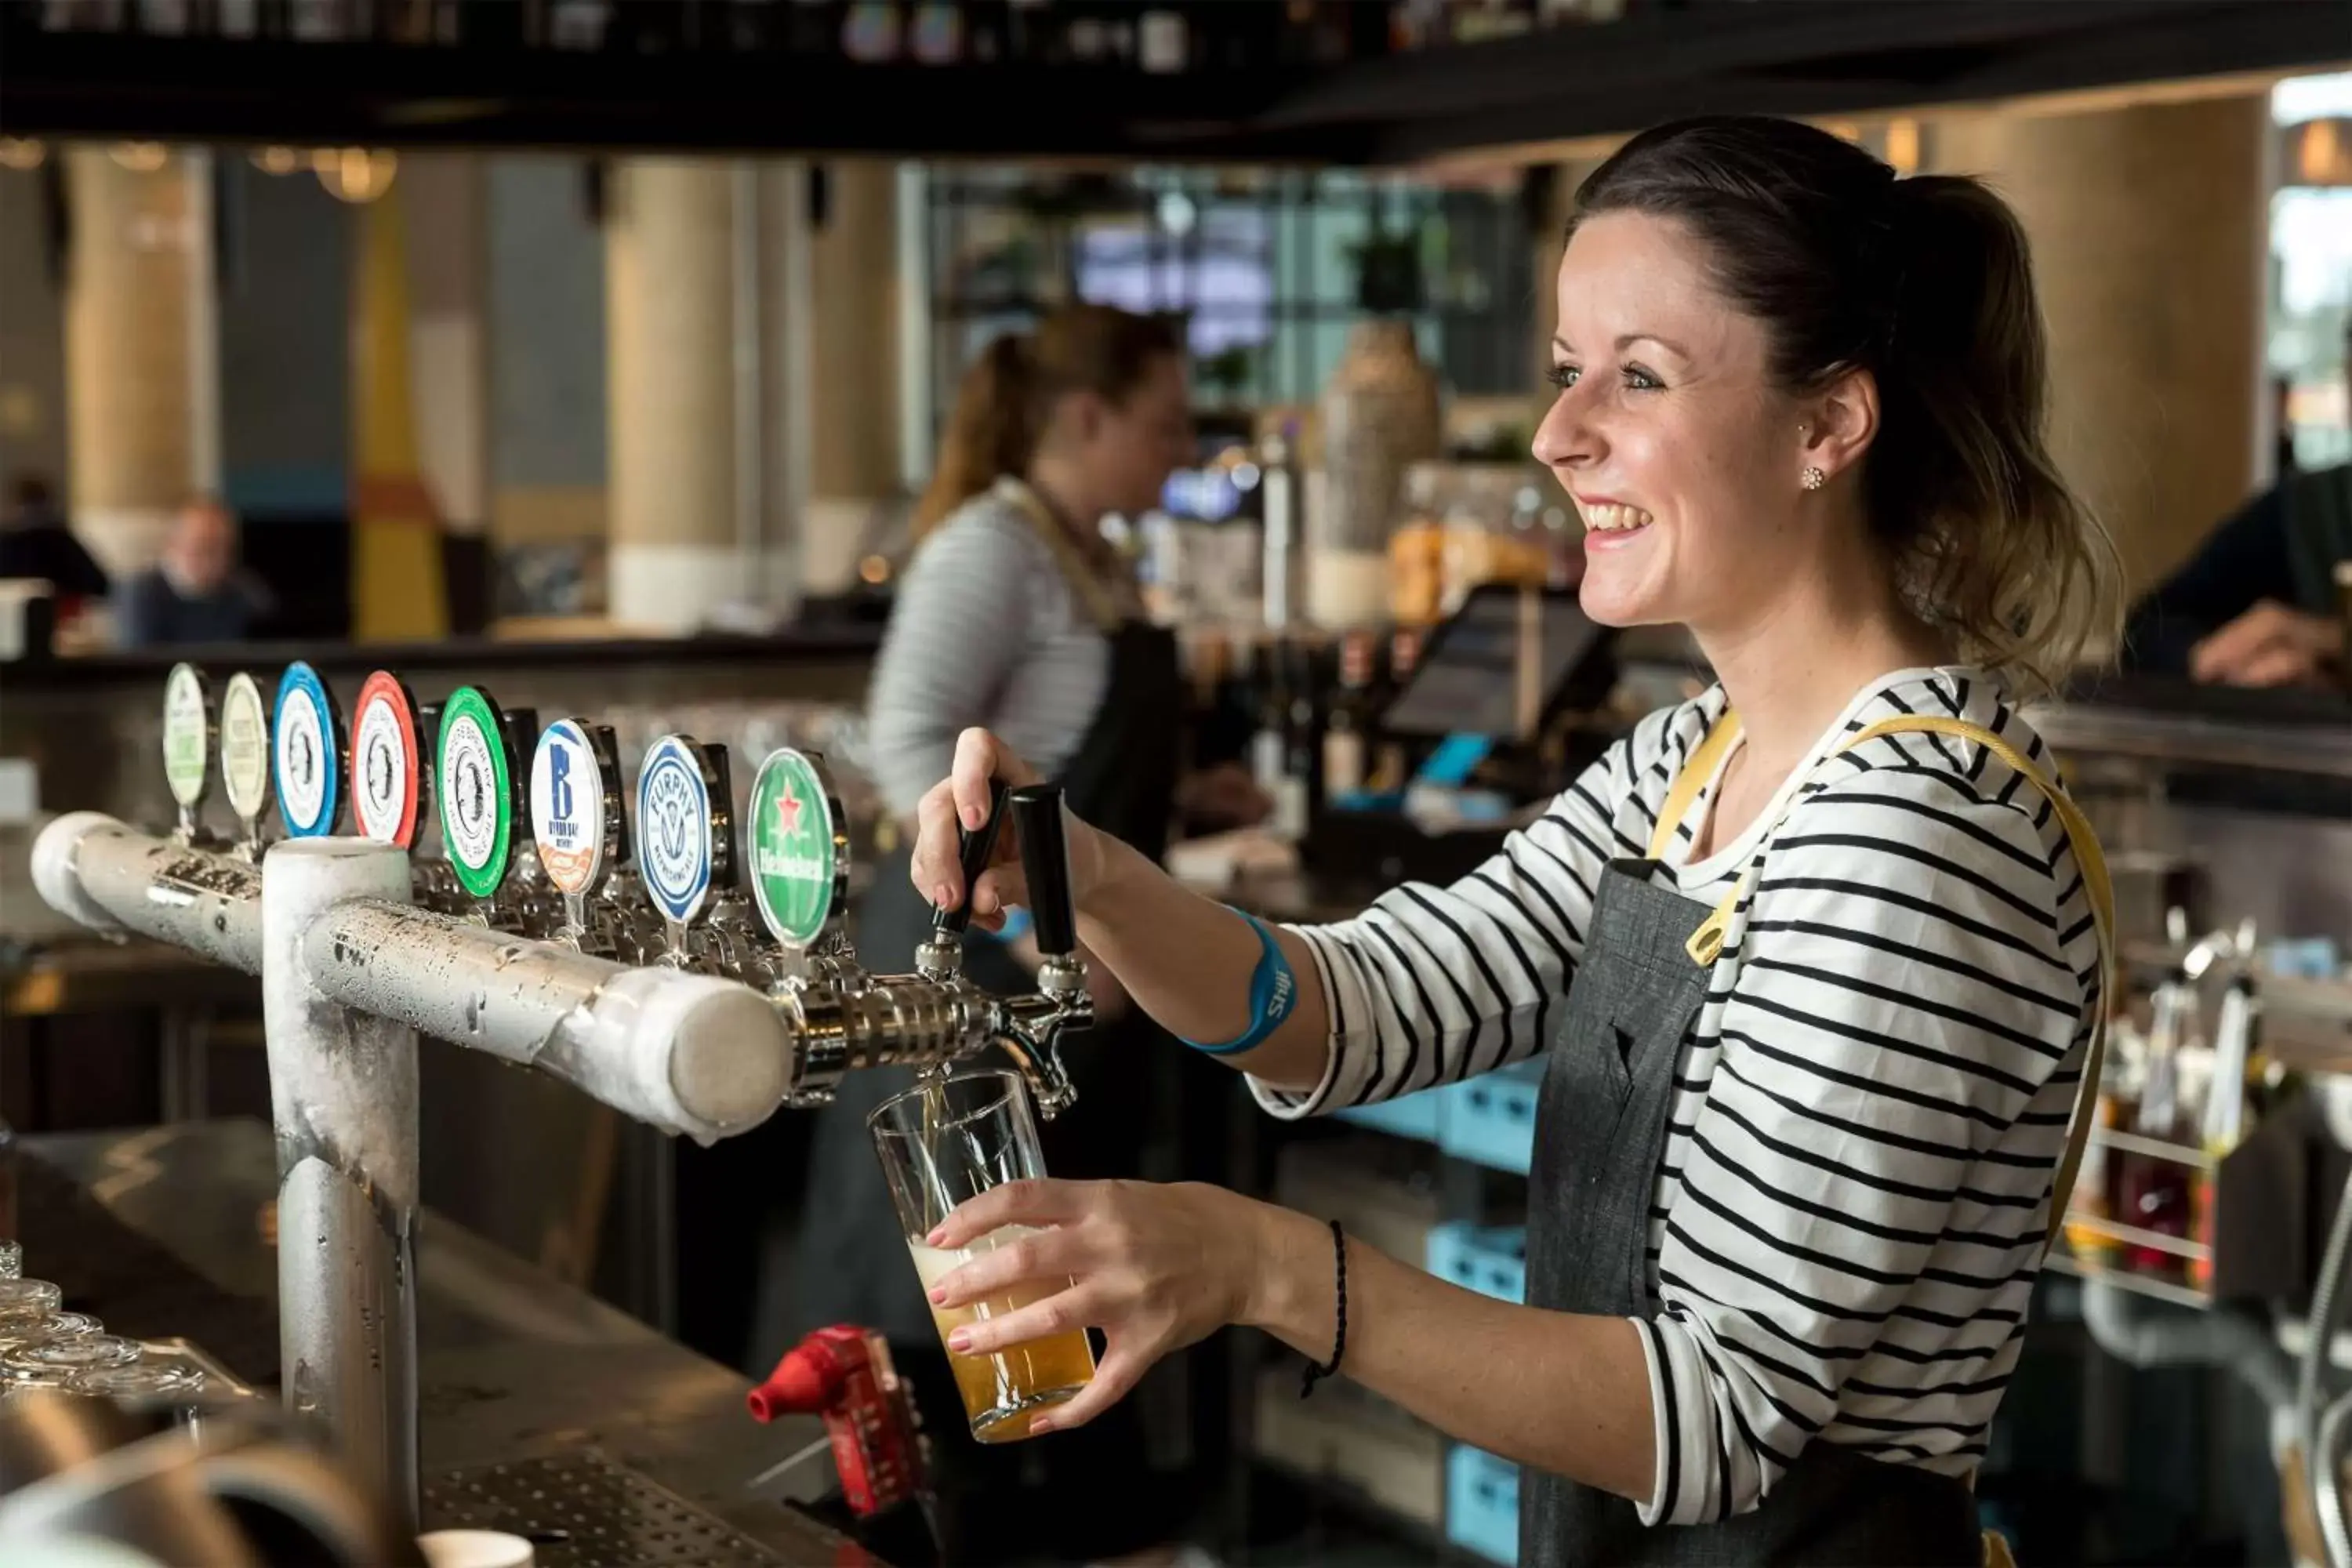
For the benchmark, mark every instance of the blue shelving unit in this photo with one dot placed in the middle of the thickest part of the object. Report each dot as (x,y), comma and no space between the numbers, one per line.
(1489,1259)
(1482,1504)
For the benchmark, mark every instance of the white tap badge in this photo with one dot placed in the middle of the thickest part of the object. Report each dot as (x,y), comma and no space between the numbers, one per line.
(245,747)
(567,807)
(674,828)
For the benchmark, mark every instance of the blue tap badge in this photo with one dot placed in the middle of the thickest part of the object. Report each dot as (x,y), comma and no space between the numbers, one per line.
(674,827)
(307,744)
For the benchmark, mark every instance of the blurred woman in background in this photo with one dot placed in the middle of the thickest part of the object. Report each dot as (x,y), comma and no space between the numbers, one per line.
(1018,615)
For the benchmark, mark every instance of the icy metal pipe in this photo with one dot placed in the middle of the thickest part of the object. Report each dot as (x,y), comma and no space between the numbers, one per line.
(342,1095)
(687,1053)
(116,879)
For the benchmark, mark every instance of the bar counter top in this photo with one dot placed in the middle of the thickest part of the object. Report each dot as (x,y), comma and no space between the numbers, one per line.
(162,1232)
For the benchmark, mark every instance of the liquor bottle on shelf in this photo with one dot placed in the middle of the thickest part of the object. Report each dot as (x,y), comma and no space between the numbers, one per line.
(2157,1193)
(936,34)
(1270,746)
(871,31)
(1390,764)
(1164,42)
(1346,731)
(1302,739)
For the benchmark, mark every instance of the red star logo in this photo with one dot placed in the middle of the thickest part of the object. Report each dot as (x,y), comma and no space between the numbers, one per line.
(788,811)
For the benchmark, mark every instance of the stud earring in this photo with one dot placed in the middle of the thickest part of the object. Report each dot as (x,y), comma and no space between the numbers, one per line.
(1814,479)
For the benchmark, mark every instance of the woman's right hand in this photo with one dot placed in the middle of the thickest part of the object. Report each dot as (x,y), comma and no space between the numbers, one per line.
(960,802)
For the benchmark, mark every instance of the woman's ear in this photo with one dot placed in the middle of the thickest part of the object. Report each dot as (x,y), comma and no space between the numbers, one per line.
(1840,421)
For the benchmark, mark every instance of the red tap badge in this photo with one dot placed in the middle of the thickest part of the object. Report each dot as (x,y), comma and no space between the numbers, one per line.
(385,762)
(843,1374)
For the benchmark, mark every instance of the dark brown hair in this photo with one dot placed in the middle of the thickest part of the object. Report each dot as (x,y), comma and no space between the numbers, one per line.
(1927,284)
(1007,397)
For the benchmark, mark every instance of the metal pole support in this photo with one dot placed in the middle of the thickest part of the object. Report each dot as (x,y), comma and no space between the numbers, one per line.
(343,1090)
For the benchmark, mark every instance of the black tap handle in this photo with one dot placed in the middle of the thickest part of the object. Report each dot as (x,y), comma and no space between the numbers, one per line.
(1045,861)
(974,847)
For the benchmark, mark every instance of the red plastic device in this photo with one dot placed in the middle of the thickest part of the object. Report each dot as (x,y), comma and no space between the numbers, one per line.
(843,1374)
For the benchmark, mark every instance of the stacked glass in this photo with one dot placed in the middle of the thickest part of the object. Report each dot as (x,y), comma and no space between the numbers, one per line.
(44,1347)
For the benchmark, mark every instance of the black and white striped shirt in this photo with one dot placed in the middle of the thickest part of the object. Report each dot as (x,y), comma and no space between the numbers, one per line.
(1849,1213)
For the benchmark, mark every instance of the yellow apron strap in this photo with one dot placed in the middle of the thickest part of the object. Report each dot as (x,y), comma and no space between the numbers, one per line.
(1697,768)
(1707,943)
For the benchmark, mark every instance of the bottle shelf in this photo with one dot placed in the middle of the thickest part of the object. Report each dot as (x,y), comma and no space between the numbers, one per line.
(2063,1261)
(2172,1153)
(2132,1235)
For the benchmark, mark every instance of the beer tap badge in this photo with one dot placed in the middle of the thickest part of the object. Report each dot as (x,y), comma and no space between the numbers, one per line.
(793,860)
(674,827)
(476,781)
(308,736)
(573,807)
(187,734)
(245,747)
(385,762)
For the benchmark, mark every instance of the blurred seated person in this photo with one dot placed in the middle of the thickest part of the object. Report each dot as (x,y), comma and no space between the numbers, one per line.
(2256,606)
(36,542)
(197,592)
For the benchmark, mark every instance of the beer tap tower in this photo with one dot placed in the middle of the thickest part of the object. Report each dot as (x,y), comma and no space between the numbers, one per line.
(648,992)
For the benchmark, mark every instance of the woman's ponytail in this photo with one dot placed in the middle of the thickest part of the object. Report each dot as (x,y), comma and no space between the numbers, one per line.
(1004,406)
(1994,545)
(989,432)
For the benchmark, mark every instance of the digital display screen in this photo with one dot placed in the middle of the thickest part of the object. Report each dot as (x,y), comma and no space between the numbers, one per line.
(1467,681)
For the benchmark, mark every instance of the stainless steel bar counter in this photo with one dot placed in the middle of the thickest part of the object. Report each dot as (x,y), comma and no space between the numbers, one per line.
(527,1386)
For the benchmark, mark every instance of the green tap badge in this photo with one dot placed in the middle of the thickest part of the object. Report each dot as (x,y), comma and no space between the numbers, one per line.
(476,785)
(794,857)
(187,735)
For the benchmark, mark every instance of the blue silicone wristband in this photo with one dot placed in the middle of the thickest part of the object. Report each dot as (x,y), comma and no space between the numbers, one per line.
(1274,992)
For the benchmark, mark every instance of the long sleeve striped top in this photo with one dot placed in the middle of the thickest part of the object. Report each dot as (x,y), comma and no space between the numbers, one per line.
(1848,1215)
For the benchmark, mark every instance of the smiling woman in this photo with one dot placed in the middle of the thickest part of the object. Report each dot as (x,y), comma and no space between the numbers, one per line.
(1816,960)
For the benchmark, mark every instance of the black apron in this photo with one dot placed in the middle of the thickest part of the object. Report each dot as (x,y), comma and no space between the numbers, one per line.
(1600,1131)
(853,1265)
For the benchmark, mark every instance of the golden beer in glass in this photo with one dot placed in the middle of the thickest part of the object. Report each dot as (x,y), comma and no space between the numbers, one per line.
(940,1143)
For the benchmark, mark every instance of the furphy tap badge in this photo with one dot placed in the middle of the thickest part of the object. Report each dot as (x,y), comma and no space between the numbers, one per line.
(793,858)
(385,762)
(673,827)
(573,811)
(308,736)
(187,734)
(245,747)
(476,786)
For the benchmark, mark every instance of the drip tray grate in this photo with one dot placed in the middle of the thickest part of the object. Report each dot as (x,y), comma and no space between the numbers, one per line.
(583,1510)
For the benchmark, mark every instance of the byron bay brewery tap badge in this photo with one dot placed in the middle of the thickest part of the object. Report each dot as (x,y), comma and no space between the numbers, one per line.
(476,792)
(568,807)
(187,734)
(385,762)
(792,858)
(673,827)
(244,748)
(307,743)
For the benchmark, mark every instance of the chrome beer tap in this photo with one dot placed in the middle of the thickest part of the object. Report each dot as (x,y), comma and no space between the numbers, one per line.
(843,1017)
(579,839)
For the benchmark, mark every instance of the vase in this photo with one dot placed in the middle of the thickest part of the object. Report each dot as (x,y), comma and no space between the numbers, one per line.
(1380,417)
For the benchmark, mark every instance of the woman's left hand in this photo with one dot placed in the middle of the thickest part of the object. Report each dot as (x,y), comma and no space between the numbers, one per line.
(1155,1265)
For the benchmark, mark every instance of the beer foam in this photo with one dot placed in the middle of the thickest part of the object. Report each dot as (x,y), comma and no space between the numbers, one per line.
(934,1263)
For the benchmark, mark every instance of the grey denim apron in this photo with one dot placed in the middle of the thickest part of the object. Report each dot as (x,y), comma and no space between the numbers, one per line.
(1600,1131)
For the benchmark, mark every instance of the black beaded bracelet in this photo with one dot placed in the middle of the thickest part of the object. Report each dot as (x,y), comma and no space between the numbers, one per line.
(1338,1339)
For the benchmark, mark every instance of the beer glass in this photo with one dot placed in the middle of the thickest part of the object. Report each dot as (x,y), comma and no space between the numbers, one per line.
(940,1143)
